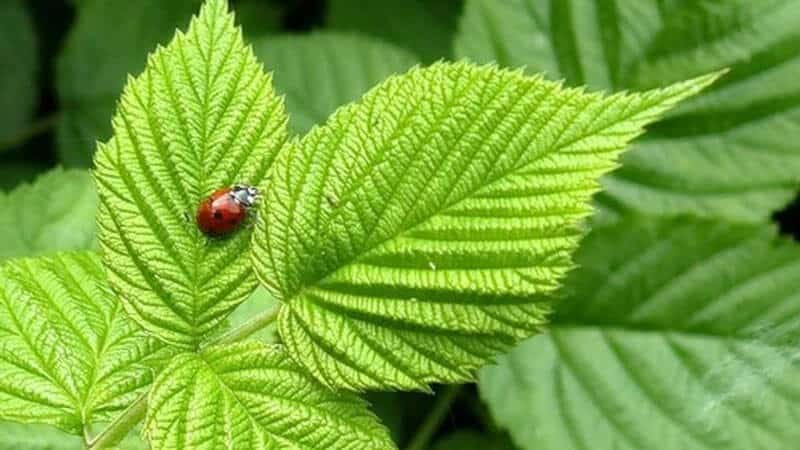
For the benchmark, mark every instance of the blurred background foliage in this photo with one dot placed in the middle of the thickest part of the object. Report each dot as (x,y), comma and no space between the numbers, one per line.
(64,63)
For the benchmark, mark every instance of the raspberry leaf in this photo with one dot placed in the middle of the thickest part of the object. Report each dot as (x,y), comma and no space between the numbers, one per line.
(423,230)
(69,355)
(250,395)
(201,116)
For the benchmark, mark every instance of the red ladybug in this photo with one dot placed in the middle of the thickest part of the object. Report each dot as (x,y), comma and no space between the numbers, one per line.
(225,210)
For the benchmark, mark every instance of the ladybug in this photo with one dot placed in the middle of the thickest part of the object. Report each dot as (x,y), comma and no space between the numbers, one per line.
(225,210)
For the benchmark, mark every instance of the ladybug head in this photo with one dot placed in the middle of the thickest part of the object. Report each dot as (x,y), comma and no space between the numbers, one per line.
(245,195)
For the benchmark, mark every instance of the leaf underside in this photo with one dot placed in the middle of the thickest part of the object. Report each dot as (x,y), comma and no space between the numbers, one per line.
(725,153)
(676,334)
(250,395)
(107,41)
(69,355)
(411,241)
(56,212)
(322,71)
(202,116)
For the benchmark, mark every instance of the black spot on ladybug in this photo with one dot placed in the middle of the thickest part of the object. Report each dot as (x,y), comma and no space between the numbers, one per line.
(218,215)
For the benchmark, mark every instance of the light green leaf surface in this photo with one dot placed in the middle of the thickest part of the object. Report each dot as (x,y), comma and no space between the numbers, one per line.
(15,436)
(729,152)
(422,230)
(322,71)
(425,27)
(69,356)
(673,335)
(18,89)
(202,116)
(109,40)
(252,396)
(56,212)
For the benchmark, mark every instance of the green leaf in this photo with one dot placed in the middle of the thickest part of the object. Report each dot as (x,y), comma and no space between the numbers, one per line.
(250,395)
(14,436)
(322,71)
(471,440)
(260,17)
(109,41)
(724,154)
(202,116)
(18,87)
(425,27)
(422,230)
(56,212)
(676,334)
(69,356)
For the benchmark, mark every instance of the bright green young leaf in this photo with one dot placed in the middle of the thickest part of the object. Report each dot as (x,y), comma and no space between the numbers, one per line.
(323,71)
(69,355)
(19,73)
(673,335)
(422,230)
(202,116)
(252,396)
(56,212)
(724,154)
(110,39)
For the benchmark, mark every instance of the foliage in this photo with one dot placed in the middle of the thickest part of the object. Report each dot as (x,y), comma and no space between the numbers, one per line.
(17,79)
(685,164)
(709,308)
(56,212)
(423,192)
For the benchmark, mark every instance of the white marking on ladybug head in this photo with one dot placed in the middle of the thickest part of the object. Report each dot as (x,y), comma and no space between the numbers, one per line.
(245,195)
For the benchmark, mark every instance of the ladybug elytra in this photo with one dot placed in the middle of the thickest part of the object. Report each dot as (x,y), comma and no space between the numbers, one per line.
(225,210)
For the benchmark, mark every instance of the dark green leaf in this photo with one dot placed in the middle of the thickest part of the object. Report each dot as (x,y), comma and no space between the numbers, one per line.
(425,27)
(674,335)
(322,71)
(111,39)
(731,152)
(18,76)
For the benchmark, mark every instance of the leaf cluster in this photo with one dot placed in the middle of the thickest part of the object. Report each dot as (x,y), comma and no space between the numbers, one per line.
(418,225)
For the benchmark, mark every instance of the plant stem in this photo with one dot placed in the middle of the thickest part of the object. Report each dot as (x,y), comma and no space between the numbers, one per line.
(425,432)
(247,329)
(125,422)
(122,425)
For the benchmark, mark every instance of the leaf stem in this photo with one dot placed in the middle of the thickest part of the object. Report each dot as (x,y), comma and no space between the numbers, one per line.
(134,414)
(425,432)
(247,329)
(122,425)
